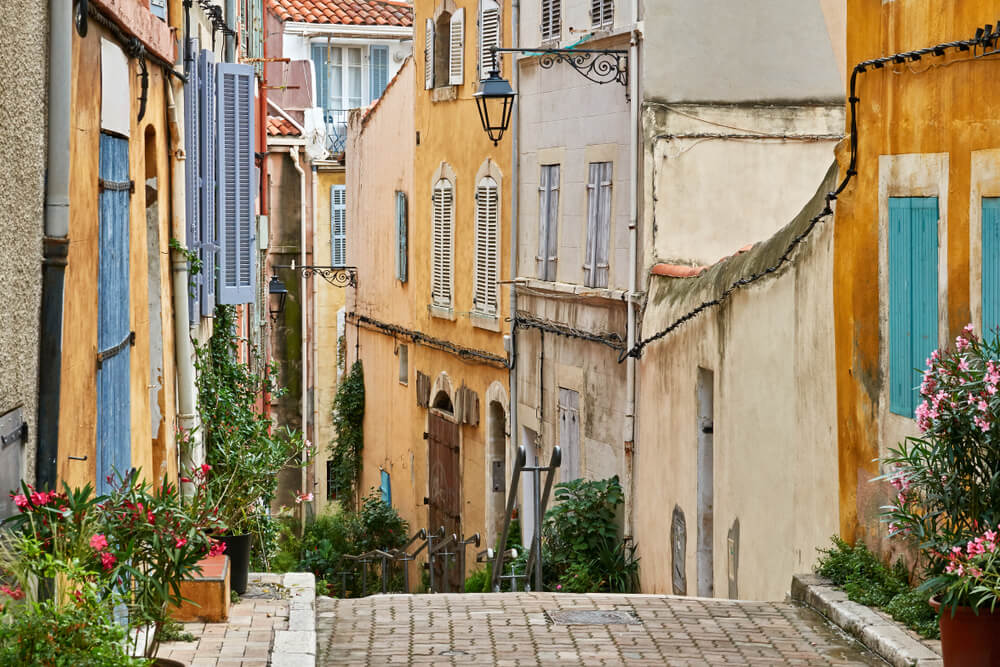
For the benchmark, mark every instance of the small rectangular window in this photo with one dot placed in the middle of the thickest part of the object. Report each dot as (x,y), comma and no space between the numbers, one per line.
(386,488)
(402,233)
(602,14)
(331,493)
(404,364)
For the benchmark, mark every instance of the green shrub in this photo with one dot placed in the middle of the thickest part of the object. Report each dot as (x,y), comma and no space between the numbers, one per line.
(868,581)
(479,580)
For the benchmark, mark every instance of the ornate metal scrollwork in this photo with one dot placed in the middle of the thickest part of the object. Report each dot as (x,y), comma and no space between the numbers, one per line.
(345,276)
(597,66)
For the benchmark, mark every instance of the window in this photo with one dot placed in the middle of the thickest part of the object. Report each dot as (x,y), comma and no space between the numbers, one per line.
(551,26)
(443,216)
(235,202)
(378,58)
(402,234)
(338,225)
(489,35)
(339,77)
(569,434)
(331,473)
(548,221)
(598,224)
(159,8)
(602,14)
(913,296)
(991,264)
(484,300)
(386,488)
(404,364)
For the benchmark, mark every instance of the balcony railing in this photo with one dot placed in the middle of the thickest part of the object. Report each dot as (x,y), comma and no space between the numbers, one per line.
(336,130)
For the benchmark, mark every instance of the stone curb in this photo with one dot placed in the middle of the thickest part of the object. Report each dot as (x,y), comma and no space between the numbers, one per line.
(881,635)
(296,646)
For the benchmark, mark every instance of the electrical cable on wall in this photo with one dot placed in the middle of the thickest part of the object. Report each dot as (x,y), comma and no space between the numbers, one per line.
(985,38)
(420,338)
(525,321)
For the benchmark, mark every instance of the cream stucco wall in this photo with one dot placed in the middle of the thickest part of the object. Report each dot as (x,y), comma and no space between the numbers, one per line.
(770,348)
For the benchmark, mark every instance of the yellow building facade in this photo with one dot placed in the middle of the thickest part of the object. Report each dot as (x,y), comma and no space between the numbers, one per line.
(924,135)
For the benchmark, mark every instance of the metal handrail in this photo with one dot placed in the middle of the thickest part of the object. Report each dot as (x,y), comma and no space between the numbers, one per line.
(464,544)
(436,552)
(535,553)
(519,461)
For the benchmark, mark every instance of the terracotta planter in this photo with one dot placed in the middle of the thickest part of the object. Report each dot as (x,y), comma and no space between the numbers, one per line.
(969,639)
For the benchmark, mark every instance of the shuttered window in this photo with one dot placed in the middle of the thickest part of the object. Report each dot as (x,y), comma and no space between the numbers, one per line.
(159,8)
(208,248)
(236,187)
(402,233)
(551,27)
(991,265)
(378,62)
(429,54)
(569,434)
(548,221)
(913,296)
(489,36)
(602,13)
(192,177)
(598,225)
(486,290)
(338,225)
(456,48)
(443,204)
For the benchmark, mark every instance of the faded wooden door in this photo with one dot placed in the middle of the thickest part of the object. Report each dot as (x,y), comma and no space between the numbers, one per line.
(445,494)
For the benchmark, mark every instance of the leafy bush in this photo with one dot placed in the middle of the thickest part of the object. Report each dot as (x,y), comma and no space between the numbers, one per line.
(867,581)
(479,580)
(348,423)
(583,552)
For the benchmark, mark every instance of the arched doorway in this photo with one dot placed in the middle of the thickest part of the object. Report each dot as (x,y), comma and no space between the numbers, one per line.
(444,482)
(496,462)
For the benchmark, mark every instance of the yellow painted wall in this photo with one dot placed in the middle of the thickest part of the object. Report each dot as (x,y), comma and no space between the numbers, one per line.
(328,300)
(153,452)
(918,108)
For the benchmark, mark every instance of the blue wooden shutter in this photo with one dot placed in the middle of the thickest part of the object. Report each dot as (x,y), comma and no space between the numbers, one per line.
(401,236)
(159,8)
(114,439)
(192,177)
(913,296)
(208,247)
(991,265)
(235,183)
(386,488)
(379,67)
(338,225)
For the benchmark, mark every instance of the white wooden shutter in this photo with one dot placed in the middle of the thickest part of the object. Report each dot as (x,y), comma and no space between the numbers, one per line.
(428,54)
(487,249)
(442,246)
(235,186)
(548,221)
(489,35)
(338,225)
(569,434)
(456,49)
(603,226)
(551,26)
(602,13)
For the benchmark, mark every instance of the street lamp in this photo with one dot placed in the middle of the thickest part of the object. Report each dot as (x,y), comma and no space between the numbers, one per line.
(277,294)
(495,99)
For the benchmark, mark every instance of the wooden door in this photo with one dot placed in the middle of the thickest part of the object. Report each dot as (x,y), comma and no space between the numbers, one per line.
(445,495)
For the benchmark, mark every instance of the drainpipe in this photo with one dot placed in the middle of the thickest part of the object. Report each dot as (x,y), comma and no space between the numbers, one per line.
(515,193)
(304,355)
(633,243)
(315,337)
(187,411)
(56,242)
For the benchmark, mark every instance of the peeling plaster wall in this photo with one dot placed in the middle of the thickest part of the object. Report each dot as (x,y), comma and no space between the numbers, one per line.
(770,348)
(23,109)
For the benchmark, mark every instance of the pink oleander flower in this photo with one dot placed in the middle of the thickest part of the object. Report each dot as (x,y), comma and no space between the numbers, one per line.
(205,468)
(180,542)
(975,547)
(15,593)
(217,548)
(99,542)
(963,365)
(303,497)
(21,501)
(108,561)
(185,480)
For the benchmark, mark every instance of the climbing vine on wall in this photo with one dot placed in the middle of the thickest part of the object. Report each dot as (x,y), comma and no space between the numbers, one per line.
(345,449)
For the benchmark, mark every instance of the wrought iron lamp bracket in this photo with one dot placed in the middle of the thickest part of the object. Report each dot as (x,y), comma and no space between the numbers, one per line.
(597,65)
(338,276)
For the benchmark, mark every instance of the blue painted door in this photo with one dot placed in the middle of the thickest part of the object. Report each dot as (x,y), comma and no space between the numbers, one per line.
(991,265)
(913,296)
(114,338)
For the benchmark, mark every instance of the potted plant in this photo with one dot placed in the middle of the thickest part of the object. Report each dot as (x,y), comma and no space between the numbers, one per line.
(243,452)
(947,503)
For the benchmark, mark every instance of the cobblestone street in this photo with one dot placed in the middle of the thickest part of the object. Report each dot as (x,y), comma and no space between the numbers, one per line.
(536,629)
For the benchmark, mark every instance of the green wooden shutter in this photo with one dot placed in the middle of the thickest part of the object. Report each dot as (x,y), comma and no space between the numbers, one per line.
(991,264)
(913,296)
(401,236)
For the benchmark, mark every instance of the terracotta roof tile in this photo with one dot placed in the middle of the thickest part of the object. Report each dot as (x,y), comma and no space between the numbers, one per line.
(685,271)
(281,127)
(345,12)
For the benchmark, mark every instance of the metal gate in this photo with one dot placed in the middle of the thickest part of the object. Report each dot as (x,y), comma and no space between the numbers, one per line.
(445,499)
(114,338)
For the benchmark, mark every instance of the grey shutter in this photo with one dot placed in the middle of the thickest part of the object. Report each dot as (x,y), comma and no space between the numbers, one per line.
(192,177)
(429,54)
(401,236)
(378,63)
(338,225)
(569,434)
(598,224)
(548,221)
(208,248)
(551,26)
(456,48)
(159,8)
(489,35)
(236,195)
(602,13)
(319,57)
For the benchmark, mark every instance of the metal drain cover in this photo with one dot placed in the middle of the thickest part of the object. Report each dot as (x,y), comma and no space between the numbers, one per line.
(593,617)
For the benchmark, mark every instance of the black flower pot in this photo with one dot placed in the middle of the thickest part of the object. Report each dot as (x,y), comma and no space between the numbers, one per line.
(238,550)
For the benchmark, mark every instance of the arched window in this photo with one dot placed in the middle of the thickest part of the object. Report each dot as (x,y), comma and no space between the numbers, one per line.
(486,289)
(442,243)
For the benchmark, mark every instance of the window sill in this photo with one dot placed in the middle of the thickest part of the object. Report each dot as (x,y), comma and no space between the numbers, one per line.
(484,321)
(442,312)
(444,93)
(569,288)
